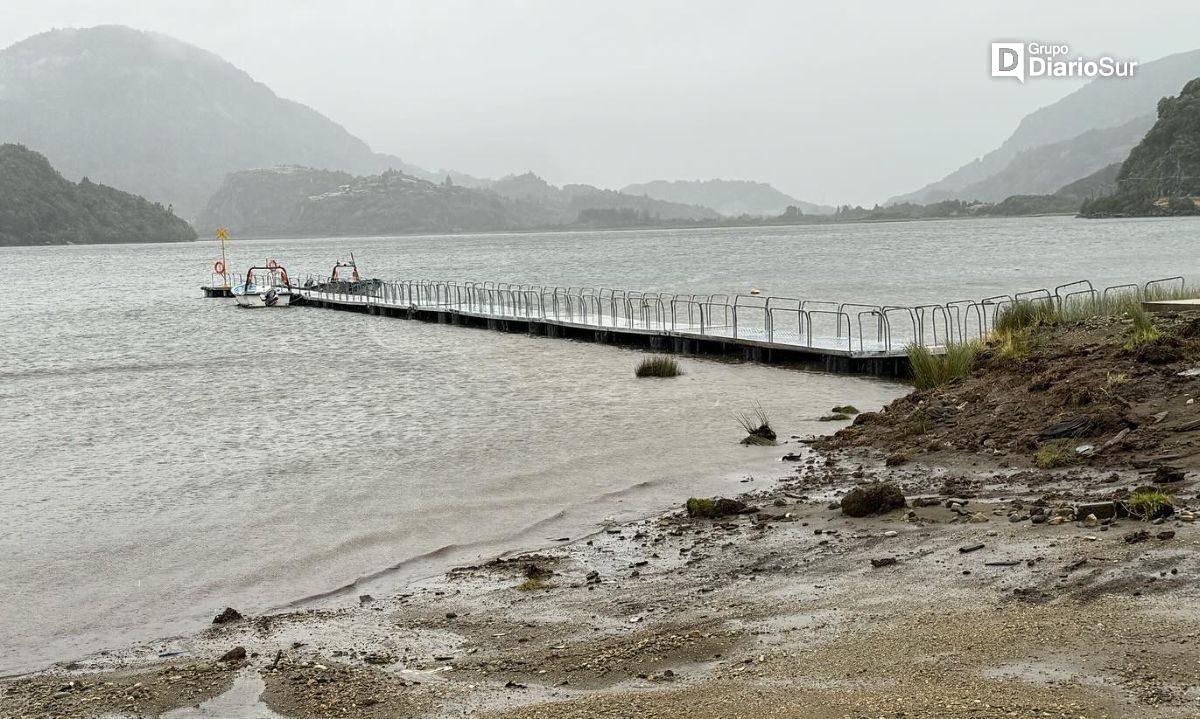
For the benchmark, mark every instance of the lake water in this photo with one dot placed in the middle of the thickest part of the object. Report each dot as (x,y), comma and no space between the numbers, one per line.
(163,455)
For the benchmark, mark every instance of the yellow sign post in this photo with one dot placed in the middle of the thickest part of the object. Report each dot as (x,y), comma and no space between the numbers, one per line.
(222,236)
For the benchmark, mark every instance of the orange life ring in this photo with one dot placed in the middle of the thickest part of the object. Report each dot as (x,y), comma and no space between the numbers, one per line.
(219,267)
(272,264)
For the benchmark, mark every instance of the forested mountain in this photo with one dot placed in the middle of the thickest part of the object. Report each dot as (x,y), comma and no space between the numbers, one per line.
(300,201)
(1119,105)
(38,206)
(729,197)
(1162,174)
(159,117)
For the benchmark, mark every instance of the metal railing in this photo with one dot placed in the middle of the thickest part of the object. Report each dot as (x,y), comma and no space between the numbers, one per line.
(854,328)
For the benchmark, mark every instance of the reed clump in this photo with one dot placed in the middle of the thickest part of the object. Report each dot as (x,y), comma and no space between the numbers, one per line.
(931,370)
(757,425)
(658,366)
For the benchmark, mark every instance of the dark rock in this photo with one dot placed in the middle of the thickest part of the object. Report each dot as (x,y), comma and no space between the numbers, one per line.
(1102,510)
(1080,427)
(896,459)
(869,499)
(1139,536)
(1038,518)
(535,571)
(237,654)
(717,507)
(883,562)
(970,548)
(229,615)
(1169,534)
(1165,475)
(793,457)
(365,599)
(379,659)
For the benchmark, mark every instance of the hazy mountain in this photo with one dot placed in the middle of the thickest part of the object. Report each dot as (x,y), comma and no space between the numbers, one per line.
(731,198)
(38,206)
(305,202)
(1101,182)
(1100,104)
(1044,169)
(159,117)
(1162,174)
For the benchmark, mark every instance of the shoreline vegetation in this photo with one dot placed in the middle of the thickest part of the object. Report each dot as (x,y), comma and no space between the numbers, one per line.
(1016,539)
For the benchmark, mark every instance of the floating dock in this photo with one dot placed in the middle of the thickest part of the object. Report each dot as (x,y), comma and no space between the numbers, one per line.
(833,336)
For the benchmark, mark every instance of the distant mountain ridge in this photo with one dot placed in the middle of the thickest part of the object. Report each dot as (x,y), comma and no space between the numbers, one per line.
(1045,168)
(1102,104)
(38,206)
(301,201)
(159,117)
(731,198)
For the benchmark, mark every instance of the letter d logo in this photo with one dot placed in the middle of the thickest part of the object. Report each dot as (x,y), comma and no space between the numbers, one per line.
(1008,60)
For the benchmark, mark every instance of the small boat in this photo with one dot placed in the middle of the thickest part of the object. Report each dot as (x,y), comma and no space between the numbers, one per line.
(339,283)
(266,286)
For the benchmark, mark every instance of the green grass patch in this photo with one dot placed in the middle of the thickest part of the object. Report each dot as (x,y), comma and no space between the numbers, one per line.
(1145,504)
(658,366)
(1013,344)
(1024,314)
(1060,453)
(532,584)
(1112,380)
(931,370)
(1142,331)
(845,409)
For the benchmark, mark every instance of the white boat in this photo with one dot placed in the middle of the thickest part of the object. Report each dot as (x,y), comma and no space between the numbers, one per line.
(264,287)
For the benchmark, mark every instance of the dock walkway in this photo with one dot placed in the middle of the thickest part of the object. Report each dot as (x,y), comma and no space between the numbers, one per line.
(839,336)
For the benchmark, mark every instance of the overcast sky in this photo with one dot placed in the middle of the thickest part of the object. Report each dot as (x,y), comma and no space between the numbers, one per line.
(841,102)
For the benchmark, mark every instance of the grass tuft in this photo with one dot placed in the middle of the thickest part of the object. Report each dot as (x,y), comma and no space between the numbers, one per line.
(935,370)
(756,422)
(845,409)
(658,366)
(1024,314)
(532,584)
(1013,344)
(1142,331)
(1060,453)
(1112,380)
(1145,504)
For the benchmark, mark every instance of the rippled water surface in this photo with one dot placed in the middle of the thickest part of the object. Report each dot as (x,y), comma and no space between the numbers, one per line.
(165,455)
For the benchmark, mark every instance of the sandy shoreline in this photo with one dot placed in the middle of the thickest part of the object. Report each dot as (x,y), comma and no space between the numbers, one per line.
(776,613)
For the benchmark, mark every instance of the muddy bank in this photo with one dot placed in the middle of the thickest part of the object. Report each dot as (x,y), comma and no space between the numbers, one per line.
(976,609)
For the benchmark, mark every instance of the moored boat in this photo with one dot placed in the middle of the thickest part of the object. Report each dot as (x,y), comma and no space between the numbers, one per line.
(266,286)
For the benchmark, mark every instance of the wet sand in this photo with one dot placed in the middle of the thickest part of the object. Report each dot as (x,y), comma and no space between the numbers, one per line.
(776,613)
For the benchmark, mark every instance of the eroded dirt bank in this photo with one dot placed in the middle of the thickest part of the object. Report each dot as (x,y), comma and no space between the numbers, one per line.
(1001,589)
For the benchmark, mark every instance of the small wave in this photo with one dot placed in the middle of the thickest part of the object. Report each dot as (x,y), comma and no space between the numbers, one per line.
(451,549)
